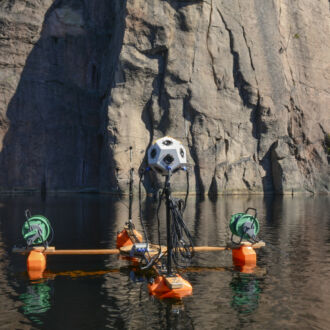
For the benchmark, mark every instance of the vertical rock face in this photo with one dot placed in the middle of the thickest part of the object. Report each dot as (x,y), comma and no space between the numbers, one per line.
(245,85)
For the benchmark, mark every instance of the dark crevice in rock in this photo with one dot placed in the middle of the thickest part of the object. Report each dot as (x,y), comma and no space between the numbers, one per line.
(295,124)
(247,184)
(326,143)
(213,190)
(256,121)
(267,164)
(159,91)
(226,176)
(277,172)
(226,146)
(190,115)
(161,76)
(244,88)
(248,48)
(177,4)
(215,78)
(165,121)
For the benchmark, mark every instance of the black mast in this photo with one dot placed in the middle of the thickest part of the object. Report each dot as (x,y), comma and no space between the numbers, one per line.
(168,224)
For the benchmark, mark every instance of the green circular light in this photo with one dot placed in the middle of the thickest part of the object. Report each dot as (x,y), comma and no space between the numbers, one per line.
(237,221)
(36,225)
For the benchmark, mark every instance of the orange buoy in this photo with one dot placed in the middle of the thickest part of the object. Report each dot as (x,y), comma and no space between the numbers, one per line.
(170,287)
(36,264)
(128,237)
(244,255)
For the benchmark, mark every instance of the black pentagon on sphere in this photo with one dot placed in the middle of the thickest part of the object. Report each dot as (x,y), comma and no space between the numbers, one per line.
(153,153)
(168,159)
(167,142)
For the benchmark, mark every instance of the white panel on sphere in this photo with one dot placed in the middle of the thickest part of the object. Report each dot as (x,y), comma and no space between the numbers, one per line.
(167,154)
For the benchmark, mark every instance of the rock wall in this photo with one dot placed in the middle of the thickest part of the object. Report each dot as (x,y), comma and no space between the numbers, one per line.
(245,85)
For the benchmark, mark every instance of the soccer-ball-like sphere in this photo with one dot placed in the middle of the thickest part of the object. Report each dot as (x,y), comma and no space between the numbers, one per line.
(167,155)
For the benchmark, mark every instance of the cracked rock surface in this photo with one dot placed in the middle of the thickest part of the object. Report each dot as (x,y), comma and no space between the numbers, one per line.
(244,85)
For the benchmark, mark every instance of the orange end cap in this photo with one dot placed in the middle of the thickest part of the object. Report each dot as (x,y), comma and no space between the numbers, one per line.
(244,255)
(36,261)
(123,239)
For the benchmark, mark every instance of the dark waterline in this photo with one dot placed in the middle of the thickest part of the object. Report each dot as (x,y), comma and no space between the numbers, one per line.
(289,290)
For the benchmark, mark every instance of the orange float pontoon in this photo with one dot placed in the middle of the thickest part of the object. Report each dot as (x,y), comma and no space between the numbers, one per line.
(36,264)
(245,254)
(128,237)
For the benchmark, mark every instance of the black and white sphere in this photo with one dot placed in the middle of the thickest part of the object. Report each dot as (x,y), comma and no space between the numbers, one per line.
(167,155)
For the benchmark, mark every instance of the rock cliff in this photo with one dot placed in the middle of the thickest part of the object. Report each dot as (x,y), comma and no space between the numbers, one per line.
(245,85)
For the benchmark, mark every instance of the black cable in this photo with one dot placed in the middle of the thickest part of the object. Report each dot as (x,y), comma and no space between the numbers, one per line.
(161,195)
(140,208)
(156,258)
(182,241)
(150,260)
(187,191)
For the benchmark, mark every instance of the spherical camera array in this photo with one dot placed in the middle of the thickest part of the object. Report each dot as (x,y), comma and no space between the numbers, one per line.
(167,155)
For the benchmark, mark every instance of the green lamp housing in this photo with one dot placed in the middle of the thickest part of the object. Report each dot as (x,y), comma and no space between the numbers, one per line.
(244,225)
(36,230)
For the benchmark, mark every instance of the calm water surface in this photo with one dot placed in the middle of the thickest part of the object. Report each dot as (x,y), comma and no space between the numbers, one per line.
(290,288)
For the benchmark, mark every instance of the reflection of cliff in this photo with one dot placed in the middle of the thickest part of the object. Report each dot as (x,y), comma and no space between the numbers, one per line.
(244,85)
(10,318)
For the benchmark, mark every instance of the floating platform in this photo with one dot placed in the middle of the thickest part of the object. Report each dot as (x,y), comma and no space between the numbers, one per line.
(52,251)
(164,285)
(125,250)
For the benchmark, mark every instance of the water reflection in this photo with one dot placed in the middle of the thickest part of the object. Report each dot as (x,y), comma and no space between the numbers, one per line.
(36,300)
(176,317)
(295,286)
(246,293)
